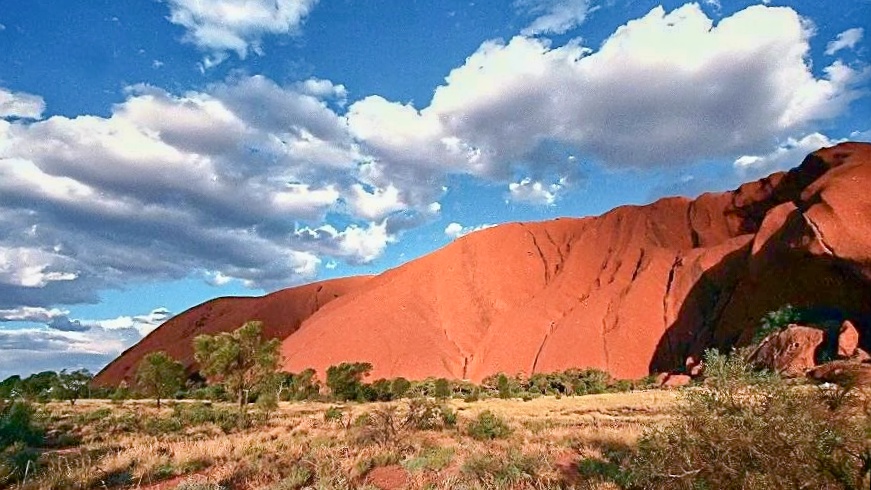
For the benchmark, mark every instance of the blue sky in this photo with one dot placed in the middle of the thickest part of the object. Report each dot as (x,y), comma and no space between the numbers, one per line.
(157,154)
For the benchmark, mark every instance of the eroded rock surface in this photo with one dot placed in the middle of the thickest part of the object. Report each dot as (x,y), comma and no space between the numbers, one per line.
(791,352)
(636,290)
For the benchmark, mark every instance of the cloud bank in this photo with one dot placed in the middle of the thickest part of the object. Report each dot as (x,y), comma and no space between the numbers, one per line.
(264,183)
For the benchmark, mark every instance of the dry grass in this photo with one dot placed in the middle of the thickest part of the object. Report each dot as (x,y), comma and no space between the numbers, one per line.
(299,448)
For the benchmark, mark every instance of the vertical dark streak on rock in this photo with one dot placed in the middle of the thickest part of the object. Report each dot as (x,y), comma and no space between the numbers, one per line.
(540,254)
(678,260)
(541,347)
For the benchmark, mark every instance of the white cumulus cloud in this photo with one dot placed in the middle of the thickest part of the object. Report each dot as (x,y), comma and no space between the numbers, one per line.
(783,157)
(669,88)
(553,16)
(456,230)
(20,105)
(221,26)
(845,40)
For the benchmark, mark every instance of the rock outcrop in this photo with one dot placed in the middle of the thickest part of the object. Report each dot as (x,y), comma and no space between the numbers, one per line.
(281,312)
(790,352)
(636,290)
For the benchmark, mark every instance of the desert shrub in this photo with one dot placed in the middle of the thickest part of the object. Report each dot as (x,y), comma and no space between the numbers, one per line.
(215,393)
(301,386)
(381,426)
(346,380)
(300,476)
(503,385)
(399,387)
(621,386)
(267,403)
(15,461)
(775,321)
(541,384)
(504,470)
(442,389)
(738,431)
(388,425)
(423,414)
(17,425)
(587,381)
(18,433)
(487,426)
(378,391)
(473,396)
(369,462)
(430,459)
(334,414)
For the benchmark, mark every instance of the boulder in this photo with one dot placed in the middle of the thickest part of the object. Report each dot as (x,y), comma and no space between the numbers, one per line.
(675,380)
(861,356)
(790,352)
(848,340)
(842,373)
(694,367)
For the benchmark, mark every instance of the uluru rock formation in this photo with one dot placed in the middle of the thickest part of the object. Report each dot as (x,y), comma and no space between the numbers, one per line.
(636,290)
(281,312)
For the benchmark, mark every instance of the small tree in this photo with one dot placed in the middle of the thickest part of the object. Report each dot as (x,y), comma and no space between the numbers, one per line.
(305,385)
(346,380)
(159,376)
(399,387)
(240,360)
(71,386)
(442,389)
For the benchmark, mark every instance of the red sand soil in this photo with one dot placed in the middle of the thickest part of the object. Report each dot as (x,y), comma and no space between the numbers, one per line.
(634,291)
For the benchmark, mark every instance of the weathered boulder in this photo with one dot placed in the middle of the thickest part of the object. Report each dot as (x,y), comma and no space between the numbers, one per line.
(842,373)
(791,351)
(848,340)
(694,367)
(676,380)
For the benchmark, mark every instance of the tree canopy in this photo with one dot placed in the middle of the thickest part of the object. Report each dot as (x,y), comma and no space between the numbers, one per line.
(240,360)
(159,376)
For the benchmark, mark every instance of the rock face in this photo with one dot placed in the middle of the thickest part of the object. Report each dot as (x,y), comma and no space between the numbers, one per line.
(848,340)
(636,290)
(842,373)
(281,312)
(790,352)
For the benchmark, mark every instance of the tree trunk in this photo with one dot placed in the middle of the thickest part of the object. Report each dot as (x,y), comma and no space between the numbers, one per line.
(158,403)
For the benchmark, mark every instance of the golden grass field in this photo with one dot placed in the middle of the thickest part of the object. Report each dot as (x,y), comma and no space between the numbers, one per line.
(133,445)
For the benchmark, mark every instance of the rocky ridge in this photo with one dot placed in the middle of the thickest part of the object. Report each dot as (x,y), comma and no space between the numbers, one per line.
(634,291)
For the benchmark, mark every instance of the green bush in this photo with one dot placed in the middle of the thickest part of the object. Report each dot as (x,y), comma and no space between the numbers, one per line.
(302,386)
(775,321)
(488,426)
(346,380)
(442,389)
(494,470)
(18,433)
(399,387)
(333,414)
(431,458)
(15,460)
(379,391)
(423,414)
(741,431)
(17,425)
